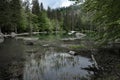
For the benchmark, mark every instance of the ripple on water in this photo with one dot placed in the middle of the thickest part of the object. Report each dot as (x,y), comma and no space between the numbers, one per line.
(56,66)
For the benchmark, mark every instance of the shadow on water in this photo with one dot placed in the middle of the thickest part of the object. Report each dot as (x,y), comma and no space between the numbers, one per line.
(11,57)
(48,63)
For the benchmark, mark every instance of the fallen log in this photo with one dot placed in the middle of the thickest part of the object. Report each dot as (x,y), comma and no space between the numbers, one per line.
(95,62)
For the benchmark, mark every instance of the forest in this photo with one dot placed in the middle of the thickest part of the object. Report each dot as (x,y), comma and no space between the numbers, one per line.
(87,29)
(99,17)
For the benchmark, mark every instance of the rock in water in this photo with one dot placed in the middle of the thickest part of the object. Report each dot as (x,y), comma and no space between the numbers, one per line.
(45,45)
(30,41)
(72,52)
(13,34)
(79,35)
(1,37)
(71,32)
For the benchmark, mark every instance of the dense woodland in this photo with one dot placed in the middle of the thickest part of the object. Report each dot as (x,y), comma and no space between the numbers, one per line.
(21,16)
(99,18)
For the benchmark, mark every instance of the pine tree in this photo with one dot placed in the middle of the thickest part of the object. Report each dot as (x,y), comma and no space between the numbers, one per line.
(15,6)
(27,6)
(36,7)
(4,14)
(49,12)
(41,7)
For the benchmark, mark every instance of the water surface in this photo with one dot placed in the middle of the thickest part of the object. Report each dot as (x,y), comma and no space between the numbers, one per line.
(46,63)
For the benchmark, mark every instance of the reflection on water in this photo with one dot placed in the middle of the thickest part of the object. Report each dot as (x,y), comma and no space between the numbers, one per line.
(53,65)
(48,63)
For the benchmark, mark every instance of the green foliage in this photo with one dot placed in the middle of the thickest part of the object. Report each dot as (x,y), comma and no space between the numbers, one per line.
(10,14)
(23,21)
(43,21)
(106,17)
(35,8)
(18,16)
(34,22)
(4,13)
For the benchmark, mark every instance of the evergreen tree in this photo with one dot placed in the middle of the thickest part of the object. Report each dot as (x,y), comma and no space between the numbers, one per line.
(36,7)
(41,7)
(27,6)
(4,14)
(49,12)
(15,11)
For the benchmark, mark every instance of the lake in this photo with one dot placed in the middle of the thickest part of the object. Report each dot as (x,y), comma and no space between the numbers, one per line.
(45,60)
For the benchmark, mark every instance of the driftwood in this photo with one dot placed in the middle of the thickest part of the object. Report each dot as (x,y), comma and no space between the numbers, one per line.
(95,62)
(21,34)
